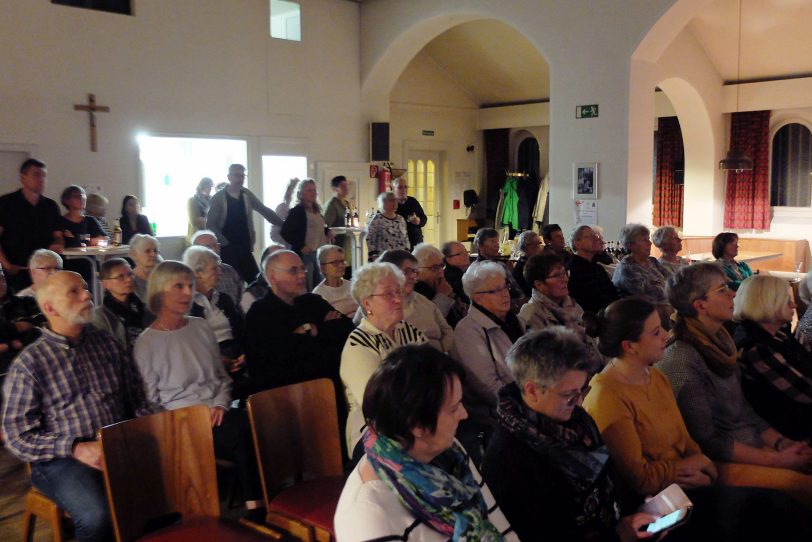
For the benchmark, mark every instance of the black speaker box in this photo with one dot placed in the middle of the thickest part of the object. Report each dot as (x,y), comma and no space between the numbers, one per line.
(378,141)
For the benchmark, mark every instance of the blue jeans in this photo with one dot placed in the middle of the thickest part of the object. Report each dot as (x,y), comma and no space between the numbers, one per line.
(79,490)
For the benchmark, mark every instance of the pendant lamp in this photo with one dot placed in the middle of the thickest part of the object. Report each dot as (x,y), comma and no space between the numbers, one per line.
(736,159)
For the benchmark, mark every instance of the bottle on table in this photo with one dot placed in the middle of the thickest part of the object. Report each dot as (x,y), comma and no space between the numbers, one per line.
(116,233)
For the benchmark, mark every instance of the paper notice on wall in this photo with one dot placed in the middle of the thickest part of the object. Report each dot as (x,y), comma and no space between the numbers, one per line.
(586,211)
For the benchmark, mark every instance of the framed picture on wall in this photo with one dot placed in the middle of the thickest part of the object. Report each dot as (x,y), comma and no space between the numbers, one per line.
(585,180)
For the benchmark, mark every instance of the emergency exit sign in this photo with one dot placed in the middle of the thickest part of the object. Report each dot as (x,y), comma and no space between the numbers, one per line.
(586,111)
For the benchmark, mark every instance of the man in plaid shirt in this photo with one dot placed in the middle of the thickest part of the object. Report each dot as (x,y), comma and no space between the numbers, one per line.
(59,392)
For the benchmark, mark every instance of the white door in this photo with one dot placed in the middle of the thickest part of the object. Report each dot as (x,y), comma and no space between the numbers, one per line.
(423,170)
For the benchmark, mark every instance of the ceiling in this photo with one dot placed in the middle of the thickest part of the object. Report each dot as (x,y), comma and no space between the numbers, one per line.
(496,65)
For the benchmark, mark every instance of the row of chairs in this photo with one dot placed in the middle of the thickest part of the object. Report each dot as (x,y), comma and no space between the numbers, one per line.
(161,478)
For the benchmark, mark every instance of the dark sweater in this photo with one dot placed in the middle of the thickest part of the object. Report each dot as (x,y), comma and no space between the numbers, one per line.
(590,284)
(415,231)
(294,230)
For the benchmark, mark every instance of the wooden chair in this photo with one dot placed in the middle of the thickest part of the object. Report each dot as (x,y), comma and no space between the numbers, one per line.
(37,505)
(161,482)
(298,448)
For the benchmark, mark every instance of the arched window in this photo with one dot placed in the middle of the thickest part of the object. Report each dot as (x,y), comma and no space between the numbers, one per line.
(527,160)
(791,176)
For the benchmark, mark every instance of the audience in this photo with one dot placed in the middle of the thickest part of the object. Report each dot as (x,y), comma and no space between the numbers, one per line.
(411,211)
(554,242)
(282,211)
(701,363)
(415,481)
(589,285)
(132,222)
(528,245)
(378,290)
(230,282)
(258,288)
(776,368)
(432,284)
(78,229)
(51,417)
(725,248)
(42,264)
(334,288)
(667,239)
(457,260)
(19,317)
(386,229)
(198,207)
(305,230)
(122,314)
(145,251)
(96,206)
(180,365)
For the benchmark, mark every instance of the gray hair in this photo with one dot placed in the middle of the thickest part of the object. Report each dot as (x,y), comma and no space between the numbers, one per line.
(44,256)
(629,232)
(690,283)
(478,273)
(543,356)
(95,204)
(422,251)
(660,234)
(525,238)
(199,233)
(163,273)
(396,181)
(271,258)
(325,250)
(577,234)
(383,197)
(199,258)
(300,188)
(204,183)
(370,275)
(760,298)
(46,291)
(139,240)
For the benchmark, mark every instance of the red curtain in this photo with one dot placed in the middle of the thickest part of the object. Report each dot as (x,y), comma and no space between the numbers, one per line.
(667,193)
(747,197)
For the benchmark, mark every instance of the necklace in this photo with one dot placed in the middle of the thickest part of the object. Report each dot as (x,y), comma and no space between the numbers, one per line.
(163,327)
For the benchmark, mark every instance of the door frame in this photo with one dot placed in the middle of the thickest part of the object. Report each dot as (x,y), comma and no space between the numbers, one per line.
(443,148)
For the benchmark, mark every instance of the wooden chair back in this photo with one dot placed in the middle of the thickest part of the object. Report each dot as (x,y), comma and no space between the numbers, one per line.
(158,469)
(296,436)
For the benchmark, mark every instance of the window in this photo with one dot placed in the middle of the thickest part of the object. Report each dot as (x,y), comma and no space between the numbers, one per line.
(791,174)
(277,171)
(286,21)
(422,177)
(172,167)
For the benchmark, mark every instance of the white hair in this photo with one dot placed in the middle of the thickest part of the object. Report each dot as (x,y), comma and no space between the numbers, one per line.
(479,273)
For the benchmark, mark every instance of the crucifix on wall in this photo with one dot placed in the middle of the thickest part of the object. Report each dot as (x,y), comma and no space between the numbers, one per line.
(92,109)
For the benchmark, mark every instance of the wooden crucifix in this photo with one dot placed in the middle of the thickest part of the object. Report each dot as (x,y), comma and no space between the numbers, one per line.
(92,109)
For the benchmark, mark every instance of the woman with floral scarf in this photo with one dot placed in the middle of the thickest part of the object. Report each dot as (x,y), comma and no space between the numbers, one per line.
(415,481)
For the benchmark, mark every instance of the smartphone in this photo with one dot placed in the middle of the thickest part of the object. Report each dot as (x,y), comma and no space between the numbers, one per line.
(668,521)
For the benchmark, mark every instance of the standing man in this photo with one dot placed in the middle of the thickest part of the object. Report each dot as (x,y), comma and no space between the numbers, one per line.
(28,221)
(59,392)
(411,211)
(231,219)
(335,212)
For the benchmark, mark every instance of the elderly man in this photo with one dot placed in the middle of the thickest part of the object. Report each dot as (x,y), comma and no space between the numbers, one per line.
(28,221)
(230,282)
(589,283)
(432,284)
(457,259)
(411,211)
(42,264)
(230,218)
(51,416)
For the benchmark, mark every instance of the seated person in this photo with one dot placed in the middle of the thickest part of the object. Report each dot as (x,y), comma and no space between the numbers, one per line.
(230,281)
(536,462)
(417,309)
(42,264)
(589,284)
(555,243)
(96,207)
(258,288)
(78,229)
(50,417)
(431,283)
(16,326)
(528,245)
(457,260)
(122,314)
(334,288)
(180,365)
(415,481)
(725,248)
(378,291)
(145,251)
(486,243)
(701,364)
(638,273)
(667,239)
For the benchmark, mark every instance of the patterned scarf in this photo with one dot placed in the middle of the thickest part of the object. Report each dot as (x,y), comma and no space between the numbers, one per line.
(718,351)
(447,499)
(569,314)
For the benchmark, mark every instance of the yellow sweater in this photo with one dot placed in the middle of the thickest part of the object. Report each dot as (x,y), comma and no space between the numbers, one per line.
(643,428)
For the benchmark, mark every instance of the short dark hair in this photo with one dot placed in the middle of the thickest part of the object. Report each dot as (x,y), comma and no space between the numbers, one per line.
(539,266)
(548,230)
(69,192)
(482,235)
(127,198)
(108,266)
(720,242)
(408,390)
(621,321)
(396,256)
(337,180)
(31,162)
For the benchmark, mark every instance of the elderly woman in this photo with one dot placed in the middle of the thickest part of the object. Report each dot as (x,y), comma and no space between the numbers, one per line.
(97,208)
(414,478)
(132,221)
(198,207)
(217,308)
(551,304)
(637,414)
(378,290)
(180,365)
(305,230)
(725,248)
(146,253)
(528,245)
(334,289)
(122,313)
(417,309)
(431,282)
(544,438)
(78,229)
(776,368)
(387,229)
(701,363)
(667,239)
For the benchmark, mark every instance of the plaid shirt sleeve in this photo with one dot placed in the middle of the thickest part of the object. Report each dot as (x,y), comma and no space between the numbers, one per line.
(778,372)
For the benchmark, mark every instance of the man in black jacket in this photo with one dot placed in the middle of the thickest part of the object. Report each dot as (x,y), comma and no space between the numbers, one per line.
(411,211)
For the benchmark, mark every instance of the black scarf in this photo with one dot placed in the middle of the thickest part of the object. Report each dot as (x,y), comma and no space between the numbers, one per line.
(510,325)
(132,314)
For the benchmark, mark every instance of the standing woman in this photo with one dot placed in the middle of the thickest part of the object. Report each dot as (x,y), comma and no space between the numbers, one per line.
(387,229)
(199,207)
(725,248)
(132,221)
(305,230)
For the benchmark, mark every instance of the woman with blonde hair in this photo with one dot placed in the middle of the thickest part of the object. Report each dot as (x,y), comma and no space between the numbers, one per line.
(305,230)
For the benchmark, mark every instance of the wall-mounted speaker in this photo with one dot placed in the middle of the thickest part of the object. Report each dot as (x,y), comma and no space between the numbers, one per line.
(378,141)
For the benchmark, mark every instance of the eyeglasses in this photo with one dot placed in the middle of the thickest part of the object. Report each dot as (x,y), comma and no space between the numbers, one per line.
(49,268)
(574,397)
(335,262)
(495,290)
(723,288)
(390,295)
(561,275)
(457,254)
(295,270)
(409,271)
(434,268)
(123,276)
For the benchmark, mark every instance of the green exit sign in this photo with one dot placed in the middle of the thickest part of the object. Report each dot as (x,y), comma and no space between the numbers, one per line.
(586,111)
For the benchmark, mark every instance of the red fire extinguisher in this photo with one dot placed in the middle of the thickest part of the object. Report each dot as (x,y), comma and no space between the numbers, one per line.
(384,179)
